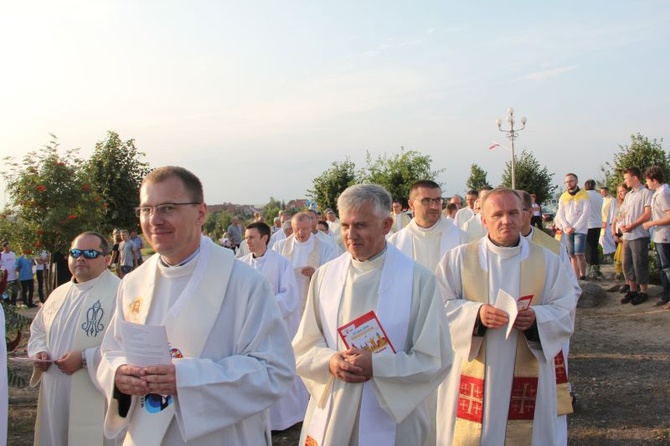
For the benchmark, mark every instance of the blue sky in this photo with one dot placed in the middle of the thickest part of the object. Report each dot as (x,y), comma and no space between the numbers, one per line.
(258,98)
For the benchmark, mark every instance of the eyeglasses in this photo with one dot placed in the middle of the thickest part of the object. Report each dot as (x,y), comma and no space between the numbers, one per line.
(88,253)
(429,201)
(162,209)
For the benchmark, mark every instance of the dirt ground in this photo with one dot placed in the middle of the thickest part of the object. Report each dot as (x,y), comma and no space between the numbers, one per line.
(619,366)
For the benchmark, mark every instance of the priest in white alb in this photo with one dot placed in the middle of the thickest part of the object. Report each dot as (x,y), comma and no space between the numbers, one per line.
(305,251)
(372,343)
(68,329)
(290,409)
(230,357)
(429,235)
(510,313)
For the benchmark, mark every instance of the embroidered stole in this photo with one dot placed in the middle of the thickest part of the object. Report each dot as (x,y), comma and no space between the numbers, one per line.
(87,403)
(563,398)
(375,426)
(186,324)
(450,238)
(471,401)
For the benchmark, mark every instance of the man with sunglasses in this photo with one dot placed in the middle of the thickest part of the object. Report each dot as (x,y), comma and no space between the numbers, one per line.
(66,335)
(231,356)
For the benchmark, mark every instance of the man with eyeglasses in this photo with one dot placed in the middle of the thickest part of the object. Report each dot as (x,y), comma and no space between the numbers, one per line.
(572,218)
(231,353)
(66,335)
(429,235)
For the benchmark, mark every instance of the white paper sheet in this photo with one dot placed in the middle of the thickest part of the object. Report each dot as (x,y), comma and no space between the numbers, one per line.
(145,344)
(507,303)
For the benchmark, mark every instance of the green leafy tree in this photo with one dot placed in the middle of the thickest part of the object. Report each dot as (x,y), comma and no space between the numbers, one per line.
(477,179)
(52,197)
(398,172)
(642,153)
(117,168)
(530,176)
(271,210)
(331,183)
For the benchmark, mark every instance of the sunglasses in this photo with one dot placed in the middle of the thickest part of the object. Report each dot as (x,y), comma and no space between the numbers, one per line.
(88,253)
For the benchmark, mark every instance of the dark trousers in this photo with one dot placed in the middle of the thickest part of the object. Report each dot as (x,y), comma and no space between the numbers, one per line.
(663,263)
(27,290)
(592,246)
(536,220)
(40,284)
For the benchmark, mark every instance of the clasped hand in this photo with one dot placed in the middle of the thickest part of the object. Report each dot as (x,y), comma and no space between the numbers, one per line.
(353,365)
(493,317)
(158,379)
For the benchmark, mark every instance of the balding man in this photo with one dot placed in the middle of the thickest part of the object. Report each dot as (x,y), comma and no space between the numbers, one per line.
(304,251)
(509,314)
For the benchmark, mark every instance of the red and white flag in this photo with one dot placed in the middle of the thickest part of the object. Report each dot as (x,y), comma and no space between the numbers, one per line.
(494,145)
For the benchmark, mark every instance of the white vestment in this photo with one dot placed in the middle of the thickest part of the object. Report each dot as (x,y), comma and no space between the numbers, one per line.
(401,382)
(243,250)
(474,228)
(290,409)
(225,309)
(462,216)
(555,322)
(275,237)
(314,252)
(428,245)
(543,239)
(72,313)
(606,239)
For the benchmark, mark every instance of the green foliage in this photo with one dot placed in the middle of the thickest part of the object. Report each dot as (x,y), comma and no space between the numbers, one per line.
(530,176)
(642,153)
(52,197)
(117,169)
(217,223)
(477,179)
(331,183)
(271,210)
(398,172)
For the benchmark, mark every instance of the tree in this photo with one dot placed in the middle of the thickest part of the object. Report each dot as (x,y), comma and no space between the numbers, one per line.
(397,173)
(477,179)
(52,197)
(328,186)
(117,169)
(530,176)
(642,153)
(271,210)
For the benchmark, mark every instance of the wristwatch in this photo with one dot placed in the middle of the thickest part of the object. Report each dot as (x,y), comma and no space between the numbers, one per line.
(83,359)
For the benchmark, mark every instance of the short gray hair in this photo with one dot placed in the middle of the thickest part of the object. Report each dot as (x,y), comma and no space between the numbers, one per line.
(359,194)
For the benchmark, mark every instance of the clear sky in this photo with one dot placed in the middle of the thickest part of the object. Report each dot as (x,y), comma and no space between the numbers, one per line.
(258,98)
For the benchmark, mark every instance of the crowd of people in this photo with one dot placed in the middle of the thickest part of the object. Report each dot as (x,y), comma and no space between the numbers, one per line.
(444,324)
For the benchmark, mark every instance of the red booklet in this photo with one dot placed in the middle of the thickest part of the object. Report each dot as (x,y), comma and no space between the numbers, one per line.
(524,302)
(366,332)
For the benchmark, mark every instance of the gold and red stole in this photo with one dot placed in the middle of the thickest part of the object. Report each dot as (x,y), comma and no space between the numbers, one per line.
(471,401)
(563,398)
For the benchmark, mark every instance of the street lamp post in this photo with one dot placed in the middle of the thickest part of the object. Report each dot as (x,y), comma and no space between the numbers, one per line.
(511,134)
